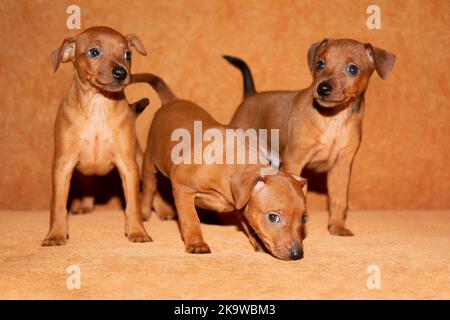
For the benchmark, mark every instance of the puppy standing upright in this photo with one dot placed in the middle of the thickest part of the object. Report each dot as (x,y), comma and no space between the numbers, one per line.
(95,127)
(320,126)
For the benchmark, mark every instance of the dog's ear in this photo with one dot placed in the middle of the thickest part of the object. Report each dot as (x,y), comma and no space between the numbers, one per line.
(313,50)
(300,183)
(133,41)
(382,59)
(243,184)
(65,53)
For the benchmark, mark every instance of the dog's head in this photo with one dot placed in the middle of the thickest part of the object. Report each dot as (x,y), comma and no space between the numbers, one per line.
(341,69)
(275,207)
(101,57)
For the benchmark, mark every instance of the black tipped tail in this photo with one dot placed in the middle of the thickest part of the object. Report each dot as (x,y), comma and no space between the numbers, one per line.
(161,88)
(249,85)
(139,106)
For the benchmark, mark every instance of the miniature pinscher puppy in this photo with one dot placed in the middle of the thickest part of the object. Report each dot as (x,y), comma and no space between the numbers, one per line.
(272,205)
(95,126)
(320,126)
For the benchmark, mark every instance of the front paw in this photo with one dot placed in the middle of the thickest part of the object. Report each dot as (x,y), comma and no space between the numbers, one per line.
(339,231)
(198,247)
(54,240)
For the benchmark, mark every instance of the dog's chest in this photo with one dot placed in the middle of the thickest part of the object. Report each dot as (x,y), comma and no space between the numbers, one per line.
(96,141)
(334,137)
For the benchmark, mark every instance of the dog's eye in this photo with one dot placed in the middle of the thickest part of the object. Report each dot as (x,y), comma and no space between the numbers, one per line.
(320,65)
(304,218)
(127,55)
(273,217)
(352,69)
(93,53)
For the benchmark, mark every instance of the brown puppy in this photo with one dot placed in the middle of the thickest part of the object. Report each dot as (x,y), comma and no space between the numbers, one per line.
(272,204)
(94,127)
(320,126)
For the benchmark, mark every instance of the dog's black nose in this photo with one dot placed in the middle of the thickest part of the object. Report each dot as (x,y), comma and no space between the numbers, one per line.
(119,73)
(296,253)
(324,89)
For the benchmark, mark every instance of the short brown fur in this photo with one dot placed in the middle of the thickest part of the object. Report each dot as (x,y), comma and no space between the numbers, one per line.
(95,126)
(321,133)
(221,187)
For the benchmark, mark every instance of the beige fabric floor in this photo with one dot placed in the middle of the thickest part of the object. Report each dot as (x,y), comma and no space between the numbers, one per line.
(412,250)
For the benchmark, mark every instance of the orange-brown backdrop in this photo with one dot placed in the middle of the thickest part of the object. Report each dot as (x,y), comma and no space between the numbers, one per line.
(403,162)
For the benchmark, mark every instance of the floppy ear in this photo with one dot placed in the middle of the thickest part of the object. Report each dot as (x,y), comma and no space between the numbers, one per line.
(383,60)
(133,41)
(242,185)
(301,183)
(65,53)
(313,50)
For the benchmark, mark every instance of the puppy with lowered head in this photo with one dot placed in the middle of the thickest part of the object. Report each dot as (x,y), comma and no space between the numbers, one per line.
(272,204)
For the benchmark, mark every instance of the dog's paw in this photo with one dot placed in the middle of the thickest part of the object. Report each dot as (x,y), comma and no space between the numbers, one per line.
(340,231)
(87,209)
(166,213)
(141,236)
(81,207)
(199,247)
(54,240)
(87,204)
(75,207)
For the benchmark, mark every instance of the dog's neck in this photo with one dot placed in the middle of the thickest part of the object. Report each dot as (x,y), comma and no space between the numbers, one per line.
(89,96)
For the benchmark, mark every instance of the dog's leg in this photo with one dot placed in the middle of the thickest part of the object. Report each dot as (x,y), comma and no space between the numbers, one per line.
(163,209)
(337,183)
(139,156)
(189,221)
(134,229)
(294,161)
(61,174)
(149,185)
(252,237)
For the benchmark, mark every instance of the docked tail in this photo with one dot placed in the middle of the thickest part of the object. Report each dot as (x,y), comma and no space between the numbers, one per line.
(249,85)
(164,92)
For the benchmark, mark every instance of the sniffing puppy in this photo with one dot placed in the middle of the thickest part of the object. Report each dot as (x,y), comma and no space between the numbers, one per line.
(320,126)
(272,204)
(94,126)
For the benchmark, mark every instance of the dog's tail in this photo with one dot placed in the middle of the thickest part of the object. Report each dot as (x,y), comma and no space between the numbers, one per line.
(249,85)
(163,90)
(139,106)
